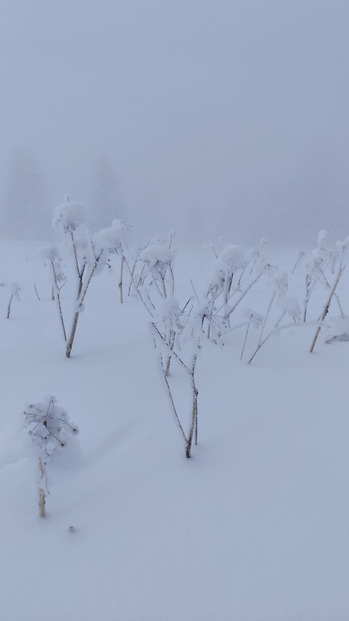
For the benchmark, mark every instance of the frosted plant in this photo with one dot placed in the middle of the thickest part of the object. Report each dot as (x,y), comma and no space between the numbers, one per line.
(53,259)
(228,263)
(111,241)
(254,320)
(157,260)
(169,324)
(338,267)
(320,268)
(324,270)
(90,254)
(69,216)
(50,430)
(176,330)
(151,272)
(183,349)
(233,275)
(286,306)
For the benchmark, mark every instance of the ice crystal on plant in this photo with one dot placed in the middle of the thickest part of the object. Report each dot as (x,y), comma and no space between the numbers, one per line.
(69,216)
(48,425)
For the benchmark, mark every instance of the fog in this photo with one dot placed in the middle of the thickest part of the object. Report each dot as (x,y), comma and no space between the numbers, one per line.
(210,117)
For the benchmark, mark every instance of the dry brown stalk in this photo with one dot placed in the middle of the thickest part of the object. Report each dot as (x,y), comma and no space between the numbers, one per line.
(9,307)
(42,492)
(57,289)
(327,307)
(121,277)
(80,301)
(36,292)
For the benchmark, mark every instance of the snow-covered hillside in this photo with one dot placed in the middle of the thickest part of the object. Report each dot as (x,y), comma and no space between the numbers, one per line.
(254,527)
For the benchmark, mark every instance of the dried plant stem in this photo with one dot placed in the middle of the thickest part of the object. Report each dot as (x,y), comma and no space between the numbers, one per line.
(58,298)
(78,271)
(9,307)
(259,347)
(167,371)
(172,280)
(228,285)
(190,371)
(42,492)
(334,338)
(164,292)
(36,292)
(335,296)
(121,279)
(194,417)
(132,273)
(301,254)
(61,316)
(72,335)
(169,392)
(171,343)
(137,289)
(339,305)
(310,283)
(80,301)
(139,281)
(245,339)
(266,316)
(262,342)
(231,310)
(326,309)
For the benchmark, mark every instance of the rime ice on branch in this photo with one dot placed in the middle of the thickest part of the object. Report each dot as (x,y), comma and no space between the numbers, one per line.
(157,258)
(50,430)
(90,254)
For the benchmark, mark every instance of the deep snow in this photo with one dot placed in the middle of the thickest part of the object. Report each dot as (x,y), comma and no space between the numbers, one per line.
(254,527)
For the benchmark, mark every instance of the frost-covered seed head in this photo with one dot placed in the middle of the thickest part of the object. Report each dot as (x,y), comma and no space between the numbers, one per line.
(69,216)
(111,237)
(230,257)
(158,258)
(48,425)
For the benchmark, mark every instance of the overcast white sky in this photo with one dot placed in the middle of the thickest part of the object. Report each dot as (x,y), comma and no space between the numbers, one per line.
(204,106)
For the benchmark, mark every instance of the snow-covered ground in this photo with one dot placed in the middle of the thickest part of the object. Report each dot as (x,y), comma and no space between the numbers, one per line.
(255,527)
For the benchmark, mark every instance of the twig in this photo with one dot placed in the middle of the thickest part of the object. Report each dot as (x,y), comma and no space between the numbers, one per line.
(245,292)
(121,275)
(42,492)
(9,307)
(36,292)
(326,309)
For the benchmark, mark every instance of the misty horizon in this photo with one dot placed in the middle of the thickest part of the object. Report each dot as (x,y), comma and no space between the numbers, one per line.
(224,118)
